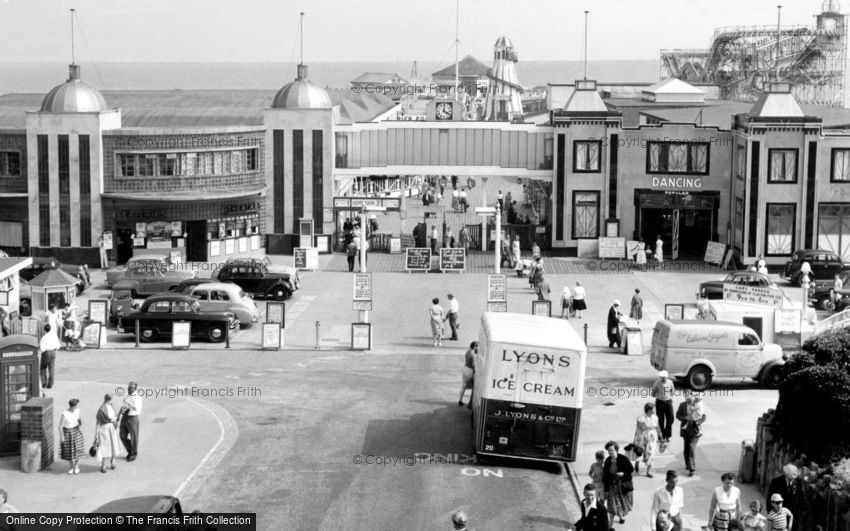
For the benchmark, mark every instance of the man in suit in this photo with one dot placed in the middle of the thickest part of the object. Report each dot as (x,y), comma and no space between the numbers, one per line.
(594,515)
(790,487)
(689,414)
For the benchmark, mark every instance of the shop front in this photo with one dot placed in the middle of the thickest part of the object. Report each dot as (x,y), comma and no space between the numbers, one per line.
(196,230)
(684,220)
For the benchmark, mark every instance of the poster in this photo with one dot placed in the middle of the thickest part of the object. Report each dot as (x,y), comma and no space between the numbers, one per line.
(714,252)
(753,294)
(272,336)
(181,332)
(674,312)
(612,247)
(312,259)
(138,242)
(497,288)
(97,311)
(395,245)
(141,229)
(107,240)
(91,335)
(300,256)
(496,306)
(362,287)
(229,246)
(418,259)
(541,308)
(276,313)
(361,336)
(176,229)
(452,259)
(215,248)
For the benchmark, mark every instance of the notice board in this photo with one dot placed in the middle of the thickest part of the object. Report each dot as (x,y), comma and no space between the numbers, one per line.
(452,259)
(418,259)
(714,252)
(612,247)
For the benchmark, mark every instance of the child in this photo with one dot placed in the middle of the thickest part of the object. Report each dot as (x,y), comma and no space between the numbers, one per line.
(779,518)
(566,302)
(754,520)
(697,409)
(596,473)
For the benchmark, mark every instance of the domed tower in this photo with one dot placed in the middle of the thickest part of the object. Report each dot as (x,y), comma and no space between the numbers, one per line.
(302,94)
(65,169)
(503,95)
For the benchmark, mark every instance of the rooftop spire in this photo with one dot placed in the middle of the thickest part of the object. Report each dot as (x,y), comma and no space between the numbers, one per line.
(301,32)
(73,52)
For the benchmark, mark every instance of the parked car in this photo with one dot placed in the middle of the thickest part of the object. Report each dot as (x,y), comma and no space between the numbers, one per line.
(698,351)
(226,297)
(158,312)
(820,290)
(167,509)
(144,281)
(825,265)
(40,264)
(713,289)
(120,302)
(148,261)
(294,275)
(186,286)
(254,277)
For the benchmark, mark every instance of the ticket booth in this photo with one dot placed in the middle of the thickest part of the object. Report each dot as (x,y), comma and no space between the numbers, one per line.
(18,383)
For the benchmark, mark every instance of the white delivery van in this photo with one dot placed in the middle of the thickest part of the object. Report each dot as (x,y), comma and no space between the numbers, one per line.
(529,386)
(697,351)
(759,317)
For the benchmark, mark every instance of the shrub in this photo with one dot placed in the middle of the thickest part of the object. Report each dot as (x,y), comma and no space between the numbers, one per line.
(813,413)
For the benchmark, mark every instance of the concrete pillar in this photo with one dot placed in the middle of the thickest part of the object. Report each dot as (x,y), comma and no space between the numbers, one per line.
(37,426)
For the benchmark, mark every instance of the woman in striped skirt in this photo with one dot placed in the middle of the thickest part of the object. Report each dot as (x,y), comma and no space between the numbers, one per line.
(73,447)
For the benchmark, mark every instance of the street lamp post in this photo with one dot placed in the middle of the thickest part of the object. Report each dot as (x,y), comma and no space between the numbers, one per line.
(364,314)
(497,212)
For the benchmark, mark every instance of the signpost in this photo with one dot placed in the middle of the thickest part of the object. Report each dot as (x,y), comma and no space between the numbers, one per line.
(361,336)
(753,294)
(497,293)
(674,312)
(714,252)
(92,335)
(97,311)
(417,259)
(272,336)
(362,299)
(181,334)
(276,313)
(453,259)
(612,248)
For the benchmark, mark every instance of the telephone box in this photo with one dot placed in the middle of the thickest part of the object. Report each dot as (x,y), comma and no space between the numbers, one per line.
(18,383)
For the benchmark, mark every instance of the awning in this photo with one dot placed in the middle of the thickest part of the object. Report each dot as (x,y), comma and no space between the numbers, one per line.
(190,195)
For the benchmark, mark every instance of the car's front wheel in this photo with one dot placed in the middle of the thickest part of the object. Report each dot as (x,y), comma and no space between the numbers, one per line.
(149,335)
(280,293)
(772,377)
(216,333)
(699,378)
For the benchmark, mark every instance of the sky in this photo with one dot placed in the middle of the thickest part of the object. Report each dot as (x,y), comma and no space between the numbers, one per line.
(369,30)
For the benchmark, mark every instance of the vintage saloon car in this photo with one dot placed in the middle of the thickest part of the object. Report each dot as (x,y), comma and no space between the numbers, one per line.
(824,264)
(294,276)
(713,289)
(226,297)
(144,281)
(158,312)
(254,277)
(145,262)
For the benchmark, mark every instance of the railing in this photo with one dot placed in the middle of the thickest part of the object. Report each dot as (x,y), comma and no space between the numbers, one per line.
(839,320)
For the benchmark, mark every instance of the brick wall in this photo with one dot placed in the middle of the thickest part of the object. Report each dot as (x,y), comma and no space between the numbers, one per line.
(37,425)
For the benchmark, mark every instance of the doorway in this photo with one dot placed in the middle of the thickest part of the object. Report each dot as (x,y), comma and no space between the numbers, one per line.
(196,241)
(124,246)
(694,229)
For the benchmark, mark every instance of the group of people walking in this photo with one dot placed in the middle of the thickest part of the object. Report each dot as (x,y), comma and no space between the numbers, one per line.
(110,428)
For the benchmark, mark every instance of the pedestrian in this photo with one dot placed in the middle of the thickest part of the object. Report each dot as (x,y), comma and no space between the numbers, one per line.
(48,345)
(468,379)
(663,391)
(566,302)
(69,322)
(619,489)
(501,200)
(5,506)
(640,255)
(543,290)
(463,238)
(691,416)
(659,250)
(452,316)
(437,315)
(454,182)
(86,274)
(535,250)
(779,518)
(459,521)
(362,257)
(464,201)
(579,304)
(536,274)
(435,236)
(106,437)
(636,310)
(837,285)
(754,520)
(101,245)
(762,268)
(791,488)
(670,499)
(515,251)
(72,446)
(597,473)
(646,438)
(53,317)
(351,252)
(4,328)
(725,503)
(447,237)
(594,516)
(456,199)
(131,409)
(662,522)
(613,327)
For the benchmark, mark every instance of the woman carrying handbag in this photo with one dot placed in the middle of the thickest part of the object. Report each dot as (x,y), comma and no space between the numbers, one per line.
(107,444)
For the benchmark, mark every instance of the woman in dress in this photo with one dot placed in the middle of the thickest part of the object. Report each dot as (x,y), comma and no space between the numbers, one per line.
(754,520)
(640,255)
(437,314)
(617,476)
(73,446)
(636,310)
(516,255)
(659,249)
(579,304)
(566,302)
(108,444)
(646,436)
(725,503)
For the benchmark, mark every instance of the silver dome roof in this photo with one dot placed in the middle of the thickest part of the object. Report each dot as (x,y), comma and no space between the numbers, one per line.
(74,95)
(302,94)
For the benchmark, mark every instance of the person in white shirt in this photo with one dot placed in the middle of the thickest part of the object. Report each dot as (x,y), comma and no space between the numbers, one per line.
(6,507)
(452,315)
(48,346)
(464,203)
(669,498)
(437,315)
(130,411)
(73,446)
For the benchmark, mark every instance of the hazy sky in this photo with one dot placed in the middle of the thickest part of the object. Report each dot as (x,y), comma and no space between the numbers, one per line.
(369,30)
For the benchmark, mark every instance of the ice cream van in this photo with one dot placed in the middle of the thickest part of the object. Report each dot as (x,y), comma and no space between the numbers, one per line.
(529,384)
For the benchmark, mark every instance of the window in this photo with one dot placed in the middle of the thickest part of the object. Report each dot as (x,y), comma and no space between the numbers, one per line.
(219,296)
(585,215)
(834,228)
(742,160)
(128,165)
(160,307)
(779,229)
(10,163)
(147,163)
(782,166)
(748,340)
(251,160)
(677,157)
(586,156)
(201,295)
(167,164)
(840,165)
(739,222)
(181,307)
